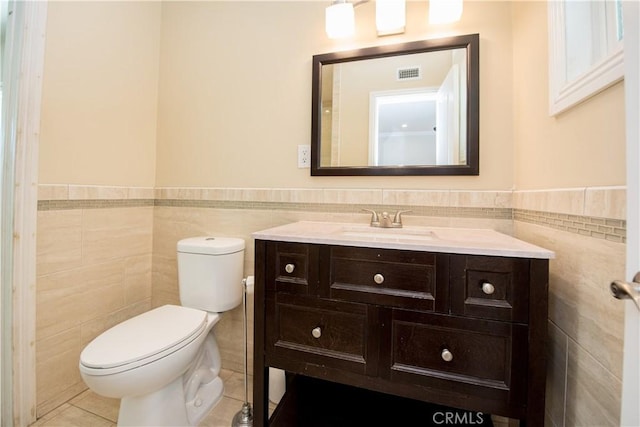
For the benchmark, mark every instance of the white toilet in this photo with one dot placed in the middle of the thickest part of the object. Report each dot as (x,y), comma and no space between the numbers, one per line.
(164,363)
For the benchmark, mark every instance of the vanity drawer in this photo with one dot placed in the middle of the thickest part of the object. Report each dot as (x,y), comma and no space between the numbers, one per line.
(490,287)
(320,333)
(393,278)
(294,267)
(484,357)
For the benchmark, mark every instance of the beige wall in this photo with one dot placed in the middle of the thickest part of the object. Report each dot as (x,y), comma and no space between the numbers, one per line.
(99,94)
(581,147)
(235,92)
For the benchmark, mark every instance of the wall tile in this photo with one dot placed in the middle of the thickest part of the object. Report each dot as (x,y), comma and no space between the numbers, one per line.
(608,202)
(416,197)
(53,192)
(57,373)
(116,233)
(83,192)
(353,196)
(481,199)
(58,241)
(140,193)
(69,298)
(593,393)
(579,299)
(137,279)
(568,201)
(557,350)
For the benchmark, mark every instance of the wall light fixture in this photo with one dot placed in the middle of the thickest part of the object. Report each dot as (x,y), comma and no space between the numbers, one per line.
(340,20)
(390,16)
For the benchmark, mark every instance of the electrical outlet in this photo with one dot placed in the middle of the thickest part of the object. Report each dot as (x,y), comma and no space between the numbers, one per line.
(304,156)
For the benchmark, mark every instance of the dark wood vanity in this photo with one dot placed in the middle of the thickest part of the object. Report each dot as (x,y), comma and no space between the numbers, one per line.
(463,330)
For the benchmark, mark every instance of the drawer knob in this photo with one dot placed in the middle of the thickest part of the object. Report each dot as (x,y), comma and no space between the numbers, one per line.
(316,332)
(289,268)
(488,288)
(378,278)
(447,356)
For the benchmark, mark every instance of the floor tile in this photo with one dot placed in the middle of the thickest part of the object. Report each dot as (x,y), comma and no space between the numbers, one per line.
(103,406)
(74,417)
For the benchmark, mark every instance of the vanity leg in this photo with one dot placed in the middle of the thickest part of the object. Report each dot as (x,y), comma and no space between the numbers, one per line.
(538,323)
(260,397)
(260,371)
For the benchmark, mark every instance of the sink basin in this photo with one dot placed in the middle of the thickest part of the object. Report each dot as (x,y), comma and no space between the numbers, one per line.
(395,234)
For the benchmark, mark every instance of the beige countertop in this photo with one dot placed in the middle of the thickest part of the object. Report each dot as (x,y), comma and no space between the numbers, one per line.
(470,241)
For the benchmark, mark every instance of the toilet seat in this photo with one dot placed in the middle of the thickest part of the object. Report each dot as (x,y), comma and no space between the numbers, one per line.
(143,339)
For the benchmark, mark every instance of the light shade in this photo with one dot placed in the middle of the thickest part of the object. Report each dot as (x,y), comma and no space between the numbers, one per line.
(339,20)
(444,11)
(390,16)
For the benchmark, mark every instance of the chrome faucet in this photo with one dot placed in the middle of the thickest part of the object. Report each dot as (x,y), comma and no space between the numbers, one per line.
(384,219)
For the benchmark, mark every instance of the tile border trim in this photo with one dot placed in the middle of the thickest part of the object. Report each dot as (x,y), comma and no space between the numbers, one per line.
(436,203)
(614,230)
(446,211)
(52,205)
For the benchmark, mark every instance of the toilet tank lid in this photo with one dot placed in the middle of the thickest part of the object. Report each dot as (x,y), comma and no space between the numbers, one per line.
(210,245)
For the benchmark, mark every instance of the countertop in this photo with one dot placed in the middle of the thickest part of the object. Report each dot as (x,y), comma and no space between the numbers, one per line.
(470,241)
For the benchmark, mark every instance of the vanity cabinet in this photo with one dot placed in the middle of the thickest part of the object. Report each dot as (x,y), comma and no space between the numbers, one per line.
(461,330)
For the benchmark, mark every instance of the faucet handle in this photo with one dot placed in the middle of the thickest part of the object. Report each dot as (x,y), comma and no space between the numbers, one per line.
(397,219)
(374,217)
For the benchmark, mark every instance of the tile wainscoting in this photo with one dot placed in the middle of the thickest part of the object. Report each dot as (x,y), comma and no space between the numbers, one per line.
(587,230)
(108,253)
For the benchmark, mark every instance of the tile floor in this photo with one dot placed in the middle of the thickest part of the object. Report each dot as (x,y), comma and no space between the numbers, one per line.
(91,410)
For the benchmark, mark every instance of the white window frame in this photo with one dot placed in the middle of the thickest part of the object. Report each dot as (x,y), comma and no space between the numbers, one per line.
(565,94)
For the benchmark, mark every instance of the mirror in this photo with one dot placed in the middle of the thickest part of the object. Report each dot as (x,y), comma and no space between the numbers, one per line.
(406,109)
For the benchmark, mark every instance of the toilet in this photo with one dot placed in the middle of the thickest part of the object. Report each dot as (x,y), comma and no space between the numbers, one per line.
(164,364)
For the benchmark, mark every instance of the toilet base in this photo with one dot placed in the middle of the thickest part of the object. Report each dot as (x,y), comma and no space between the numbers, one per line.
(167,407)
(209,395)
(164,407)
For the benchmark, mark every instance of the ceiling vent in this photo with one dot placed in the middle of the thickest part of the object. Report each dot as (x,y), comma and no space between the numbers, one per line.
(409,73)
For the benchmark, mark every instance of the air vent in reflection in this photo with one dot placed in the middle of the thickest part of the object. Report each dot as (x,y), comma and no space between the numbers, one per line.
(409,73)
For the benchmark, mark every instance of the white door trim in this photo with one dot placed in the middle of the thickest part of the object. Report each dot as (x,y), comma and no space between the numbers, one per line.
(630,411)
(31,16)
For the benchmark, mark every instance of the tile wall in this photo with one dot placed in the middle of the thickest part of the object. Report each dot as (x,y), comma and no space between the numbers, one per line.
(116,246)
(586,229)
(93,271)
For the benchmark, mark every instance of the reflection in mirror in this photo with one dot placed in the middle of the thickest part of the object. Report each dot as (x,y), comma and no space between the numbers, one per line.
(396,110)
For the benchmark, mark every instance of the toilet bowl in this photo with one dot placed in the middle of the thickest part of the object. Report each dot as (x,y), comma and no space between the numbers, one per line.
(164,364)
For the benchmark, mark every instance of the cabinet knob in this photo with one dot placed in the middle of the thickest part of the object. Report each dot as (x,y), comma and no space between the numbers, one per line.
(316,332)
(378,278)
(488,288)
(447,356)
(289,268)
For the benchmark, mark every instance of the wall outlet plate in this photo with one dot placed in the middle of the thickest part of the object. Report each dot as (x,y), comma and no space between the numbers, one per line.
(304,156)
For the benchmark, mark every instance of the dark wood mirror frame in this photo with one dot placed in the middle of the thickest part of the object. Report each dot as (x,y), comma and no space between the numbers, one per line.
(469,42)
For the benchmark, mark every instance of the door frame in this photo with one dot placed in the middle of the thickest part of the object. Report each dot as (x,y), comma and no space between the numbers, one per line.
(630,410)
(29,22)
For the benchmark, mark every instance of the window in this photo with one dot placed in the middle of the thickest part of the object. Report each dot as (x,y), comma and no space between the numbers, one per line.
(585,50)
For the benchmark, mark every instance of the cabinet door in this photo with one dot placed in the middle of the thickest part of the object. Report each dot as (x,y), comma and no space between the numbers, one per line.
(459,357)
(308,335)
(292,267)
(385,277)
(490,287)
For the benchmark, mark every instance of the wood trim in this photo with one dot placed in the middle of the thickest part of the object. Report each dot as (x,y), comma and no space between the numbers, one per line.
(31,21)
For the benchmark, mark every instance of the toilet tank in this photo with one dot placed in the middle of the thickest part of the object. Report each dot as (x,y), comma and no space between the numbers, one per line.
(210,272)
